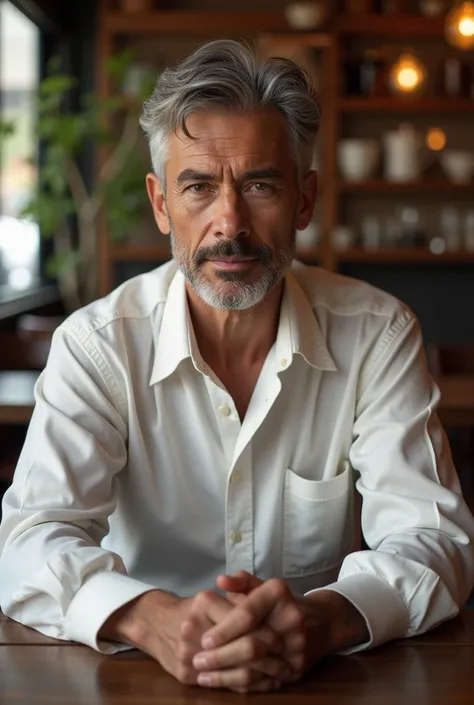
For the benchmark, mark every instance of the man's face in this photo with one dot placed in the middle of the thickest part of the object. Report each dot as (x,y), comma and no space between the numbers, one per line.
(232,204)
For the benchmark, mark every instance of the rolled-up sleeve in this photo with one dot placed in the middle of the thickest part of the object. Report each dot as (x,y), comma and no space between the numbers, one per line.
(54,576)
(420,568)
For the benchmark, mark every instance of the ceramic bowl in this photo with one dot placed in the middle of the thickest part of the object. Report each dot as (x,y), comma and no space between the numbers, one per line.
(458,165)
(358,159)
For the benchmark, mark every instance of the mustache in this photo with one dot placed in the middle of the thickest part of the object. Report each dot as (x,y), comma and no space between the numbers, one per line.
(233,248)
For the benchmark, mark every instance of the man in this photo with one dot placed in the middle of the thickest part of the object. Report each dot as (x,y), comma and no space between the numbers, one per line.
(187,484)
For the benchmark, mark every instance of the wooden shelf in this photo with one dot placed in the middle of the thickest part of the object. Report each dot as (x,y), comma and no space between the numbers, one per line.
(140,253)
(399,104)
(390,25)
(194,22)
(414,256)
(379,186)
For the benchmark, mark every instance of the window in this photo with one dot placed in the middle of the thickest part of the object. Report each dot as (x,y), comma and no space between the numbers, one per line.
(19,76)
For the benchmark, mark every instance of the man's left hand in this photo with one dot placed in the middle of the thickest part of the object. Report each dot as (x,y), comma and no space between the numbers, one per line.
(310,627)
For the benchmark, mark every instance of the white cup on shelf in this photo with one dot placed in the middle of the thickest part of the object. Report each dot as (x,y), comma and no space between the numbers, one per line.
(343,237)
(358,158)
(458,165)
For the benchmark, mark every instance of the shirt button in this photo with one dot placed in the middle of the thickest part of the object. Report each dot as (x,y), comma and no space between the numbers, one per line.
(224,410)
(236,537)
(283,361)
(235,478)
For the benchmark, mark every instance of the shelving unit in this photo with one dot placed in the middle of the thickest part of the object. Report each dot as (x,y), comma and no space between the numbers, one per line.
(427,106)
(427,186)
(409,25)
(404,256)
(272,31)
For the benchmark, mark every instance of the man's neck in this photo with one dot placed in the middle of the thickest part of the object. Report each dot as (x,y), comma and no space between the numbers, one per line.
(235,340)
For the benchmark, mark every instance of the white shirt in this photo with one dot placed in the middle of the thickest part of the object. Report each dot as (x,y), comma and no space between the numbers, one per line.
(137,472)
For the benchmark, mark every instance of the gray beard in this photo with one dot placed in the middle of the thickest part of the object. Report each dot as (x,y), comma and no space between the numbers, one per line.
(244,295)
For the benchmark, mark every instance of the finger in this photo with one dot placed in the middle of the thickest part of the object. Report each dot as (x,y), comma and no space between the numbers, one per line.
(240,582)
(232,678)
(211,607)
(268,636)
(250,614)
(245,650)
(234,598)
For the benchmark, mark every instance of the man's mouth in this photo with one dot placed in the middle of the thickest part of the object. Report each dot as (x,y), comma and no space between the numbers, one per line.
(232,263)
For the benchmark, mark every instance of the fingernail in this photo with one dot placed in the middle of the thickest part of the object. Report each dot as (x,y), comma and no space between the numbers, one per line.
(200,662)
(203,679)
(208,643)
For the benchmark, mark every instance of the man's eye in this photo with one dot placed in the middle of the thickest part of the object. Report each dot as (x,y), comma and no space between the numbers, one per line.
(197,188)
(261,186)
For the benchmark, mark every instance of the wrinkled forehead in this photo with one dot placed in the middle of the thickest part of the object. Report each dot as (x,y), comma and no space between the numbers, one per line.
(228,141)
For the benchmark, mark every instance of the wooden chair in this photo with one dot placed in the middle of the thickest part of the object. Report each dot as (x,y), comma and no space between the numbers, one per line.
(18,353)
(20,358)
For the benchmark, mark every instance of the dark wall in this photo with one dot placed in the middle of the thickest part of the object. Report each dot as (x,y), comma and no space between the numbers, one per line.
(441,295)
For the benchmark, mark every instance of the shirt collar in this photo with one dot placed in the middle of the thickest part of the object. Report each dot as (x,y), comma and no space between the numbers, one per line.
(298,332)
(176,340)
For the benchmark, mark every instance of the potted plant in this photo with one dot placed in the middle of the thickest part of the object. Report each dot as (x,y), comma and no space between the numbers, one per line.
(67,208)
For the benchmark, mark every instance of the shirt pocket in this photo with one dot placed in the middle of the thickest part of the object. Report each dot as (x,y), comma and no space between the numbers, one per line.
(317,523)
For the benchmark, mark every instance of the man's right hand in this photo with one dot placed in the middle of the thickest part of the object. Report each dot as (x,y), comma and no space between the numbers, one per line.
(170,629)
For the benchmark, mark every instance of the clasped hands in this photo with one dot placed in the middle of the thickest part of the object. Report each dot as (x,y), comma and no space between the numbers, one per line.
(257,637)
(258,640)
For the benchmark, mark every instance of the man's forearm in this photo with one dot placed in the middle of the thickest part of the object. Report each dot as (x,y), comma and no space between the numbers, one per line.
(346,626)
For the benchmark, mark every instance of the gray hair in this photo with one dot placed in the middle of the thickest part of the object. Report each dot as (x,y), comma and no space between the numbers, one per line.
(228,75)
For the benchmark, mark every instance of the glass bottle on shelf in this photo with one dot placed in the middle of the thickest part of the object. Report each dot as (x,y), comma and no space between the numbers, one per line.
(373,74)
(454,78)
(370,233)
(450,228)
(412,234)
(469,231)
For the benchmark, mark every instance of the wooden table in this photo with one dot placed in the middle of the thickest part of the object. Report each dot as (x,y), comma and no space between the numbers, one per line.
(434,669)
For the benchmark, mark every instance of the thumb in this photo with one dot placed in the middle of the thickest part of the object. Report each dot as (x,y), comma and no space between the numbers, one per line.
(242,582)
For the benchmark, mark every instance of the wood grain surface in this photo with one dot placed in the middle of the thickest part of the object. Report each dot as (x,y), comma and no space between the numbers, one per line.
(434,669)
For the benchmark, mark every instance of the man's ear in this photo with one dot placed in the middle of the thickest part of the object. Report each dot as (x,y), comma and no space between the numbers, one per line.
(156,194)
(307,201)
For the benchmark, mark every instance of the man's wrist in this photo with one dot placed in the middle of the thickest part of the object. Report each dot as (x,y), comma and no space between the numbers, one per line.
(346,626)
(127,625)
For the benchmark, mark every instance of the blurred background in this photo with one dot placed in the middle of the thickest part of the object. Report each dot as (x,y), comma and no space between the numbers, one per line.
(395,157)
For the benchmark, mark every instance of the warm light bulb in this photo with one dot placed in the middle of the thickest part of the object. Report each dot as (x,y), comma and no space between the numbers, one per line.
(466,27)
(408,78)
(459,27)
(407,74)
(436,139)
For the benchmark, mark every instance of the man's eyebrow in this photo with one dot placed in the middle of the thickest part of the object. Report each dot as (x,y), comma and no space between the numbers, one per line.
(263,174)
(194,175)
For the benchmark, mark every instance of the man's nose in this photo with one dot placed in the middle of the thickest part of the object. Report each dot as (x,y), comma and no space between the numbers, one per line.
(231,218)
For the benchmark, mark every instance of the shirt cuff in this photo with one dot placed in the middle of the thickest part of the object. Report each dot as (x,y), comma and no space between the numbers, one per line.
(384,612)
(92,605)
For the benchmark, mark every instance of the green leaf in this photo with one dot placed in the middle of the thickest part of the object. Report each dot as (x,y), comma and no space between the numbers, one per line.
(7,129)
(48,211)
(117,66)
(60,264)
